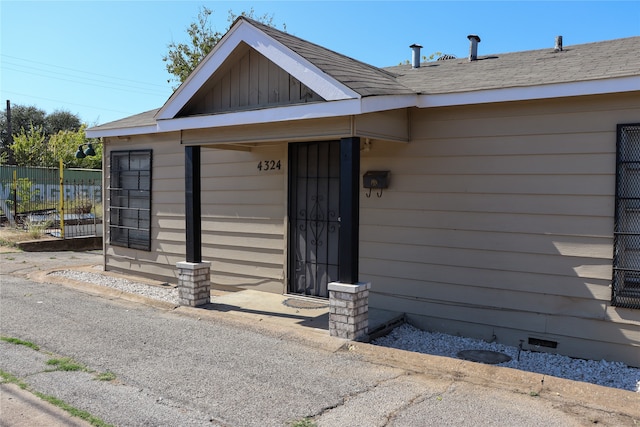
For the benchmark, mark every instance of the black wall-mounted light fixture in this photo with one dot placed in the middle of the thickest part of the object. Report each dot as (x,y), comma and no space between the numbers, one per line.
(88,152)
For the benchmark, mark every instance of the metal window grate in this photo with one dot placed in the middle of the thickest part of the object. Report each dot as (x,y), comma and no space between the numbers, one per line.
(626,256)
(130,199)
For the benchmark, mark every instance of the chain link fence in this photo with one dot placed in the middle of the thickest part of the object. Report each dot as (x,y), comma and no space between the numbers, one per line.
(63,203)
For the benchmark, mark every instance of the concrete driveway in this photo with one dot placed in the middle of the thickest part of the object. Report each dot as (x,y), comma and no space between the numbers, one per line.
(185,366)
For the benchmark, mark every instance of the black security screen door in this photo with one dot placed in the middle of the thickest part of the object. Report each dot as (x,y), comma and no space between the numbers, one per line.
(314,207)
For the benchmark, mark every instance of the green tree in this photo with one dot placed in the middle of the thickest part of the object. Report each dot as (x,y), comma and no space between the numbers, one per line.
(183,58)
(61,120)
(38,136)
(31,148)
(22,117)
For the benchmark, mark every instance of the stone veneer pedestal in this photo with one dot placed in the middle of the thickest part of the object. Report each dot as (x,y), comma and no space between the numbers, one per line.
(349,310)
(194,283)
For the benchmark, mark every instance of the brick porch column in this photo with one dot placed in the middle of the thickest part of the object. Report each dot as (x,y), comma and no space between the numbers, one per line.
(194,284)
(349,310)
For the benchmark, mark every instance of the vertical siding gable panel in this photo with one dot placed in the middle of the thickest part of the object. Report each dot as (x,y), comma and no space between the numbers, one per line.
(263,81)
(225,91)
(234,87)
(244,82)
(274,80)
(248,80)
(254,76)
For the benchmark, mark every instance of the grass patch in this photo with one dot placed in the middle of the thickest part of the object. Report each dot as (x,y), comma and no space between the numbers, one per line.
(63,364)
(66,364)
(94,421)
(305,422)
(36,229)
(8,378)
(106,376)
(8,243)
(20,342)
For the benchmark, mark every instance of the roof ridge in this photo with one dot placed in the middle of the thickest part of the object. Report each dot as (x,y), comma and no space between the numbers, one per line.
(285,34)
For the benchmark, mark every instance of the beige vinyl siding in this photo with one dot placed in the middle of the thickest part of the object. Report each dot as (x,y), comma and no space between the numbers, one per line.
(243,217)
(243,214)
(295,131)
(167,204)
(499,220)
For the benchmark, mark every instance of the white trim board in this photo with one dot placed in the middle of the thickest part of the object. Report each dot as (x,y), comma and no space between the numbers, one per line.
(321,83)
(378,103)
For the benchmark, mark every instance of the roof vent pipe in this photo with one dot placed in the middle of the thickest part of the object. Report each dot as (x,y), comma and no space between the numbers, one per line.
(473,47)
(415,57)
(558,47)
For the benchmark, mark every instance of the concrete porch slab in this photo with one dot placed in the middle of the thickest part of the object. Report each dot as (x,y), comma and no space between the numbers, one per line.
(308,312)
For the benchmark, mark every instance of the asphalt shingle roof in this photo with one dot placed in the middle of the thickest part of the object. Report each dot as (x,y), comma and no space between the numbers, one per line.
(592,61)
(585,62)
(364,79)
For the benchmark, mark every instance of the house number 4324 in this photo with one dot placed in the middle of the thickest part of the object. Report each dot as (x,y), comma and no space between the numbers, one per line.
(269,165)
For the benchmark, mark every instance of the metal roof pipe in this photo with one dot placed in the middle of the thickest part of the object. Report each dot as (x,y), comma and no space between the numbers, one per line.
(558,47)
(415,57)
(473,47)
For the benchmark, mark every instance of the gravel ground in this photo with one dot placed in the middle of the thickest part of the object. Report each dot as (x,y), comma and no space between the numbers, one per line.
(610,374)
(406,337)
(162,294)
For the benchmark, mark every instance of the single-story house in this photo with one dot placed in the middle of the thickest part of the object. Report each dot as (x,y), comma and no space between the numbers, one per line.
(494,196)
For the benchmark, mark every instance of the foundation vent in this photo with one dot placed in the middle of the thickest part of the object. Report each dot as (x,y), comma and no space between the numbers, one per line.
(536,342)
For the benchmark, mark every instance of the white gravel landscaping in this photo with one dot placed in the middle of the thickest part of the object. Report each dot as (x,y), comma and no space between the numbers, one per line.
(610,374)
(168,294)
(407,337)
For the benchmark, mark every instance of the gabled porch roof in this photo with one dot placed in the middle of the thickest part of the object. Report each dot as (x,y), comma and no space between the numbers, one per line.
(342,86)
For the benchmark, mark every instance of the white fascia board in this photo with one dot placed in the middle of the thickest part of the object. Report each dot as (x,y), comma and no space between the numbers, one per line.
(267,115)
(372,104)
(592,87)
(141,130)
(278,114)
(320,82)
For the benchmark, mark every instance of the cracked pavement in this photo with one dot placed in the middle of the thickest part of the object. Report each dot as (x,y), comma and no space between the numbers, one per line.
(202,367)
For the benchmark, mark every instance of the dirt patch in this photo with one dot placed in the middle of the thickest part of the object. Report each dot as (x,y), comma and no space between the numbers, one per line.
(10,237)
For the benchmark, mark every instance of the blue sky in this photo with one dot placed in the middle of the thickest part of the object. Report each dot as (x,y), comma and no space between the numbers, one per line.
(102,60)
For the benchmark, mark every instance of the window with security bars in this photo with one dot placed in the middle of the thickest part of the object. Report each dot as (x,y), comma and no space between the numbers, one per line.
(130,199)
(626,257)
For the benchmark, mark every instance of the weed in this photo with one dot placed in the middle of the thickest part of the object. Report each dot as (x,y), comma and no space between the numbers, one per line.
(94,421)
(36,229)
(534,394)
(10,258)
(305,422)
(8,378)
(71,410)
(106,376)
(20,342)
(66,364)
(9,243)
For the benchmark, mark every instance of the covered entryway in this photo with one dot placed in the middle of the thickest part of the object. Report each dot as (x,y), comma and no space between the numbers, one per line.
(314,217)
